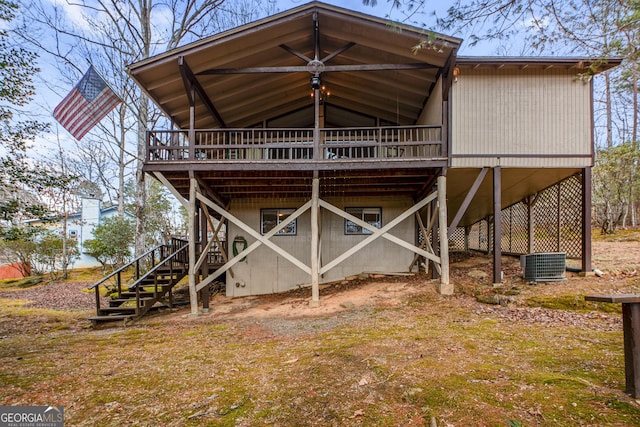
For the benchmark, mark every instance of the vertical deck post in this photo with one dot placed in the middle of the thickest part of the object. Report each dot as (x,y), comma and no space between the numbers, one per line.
(315,261)
(467,232)
(192,125)
(193,293)
(204,268)
(586,220)
(446,288)
(316,126)
(497,225)
(531,224)
(559,216)
(435,239)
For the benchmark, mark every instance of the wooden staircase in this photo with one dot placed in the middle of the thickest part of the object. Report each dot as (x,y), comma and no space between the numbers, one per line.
(152,290)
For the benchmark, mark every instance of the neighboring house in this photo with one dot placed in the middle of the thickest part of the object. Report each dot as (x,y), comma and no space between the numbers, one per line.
(331,149)
(80,226)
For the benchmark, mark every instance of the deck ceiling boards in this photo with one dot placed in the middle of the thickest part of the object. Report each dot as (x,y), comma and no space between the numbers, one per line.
(516,185)
(246,99)
(297,184)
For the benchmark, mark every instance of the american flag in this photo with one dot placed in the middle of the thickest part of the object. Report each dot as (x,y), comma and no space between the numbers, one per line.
(86,104)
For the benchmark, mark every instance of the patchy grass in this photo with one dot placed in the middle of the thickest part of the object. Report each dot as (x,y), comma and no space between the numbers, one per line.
(22,283)
(92,275)
(400,357)
(383,367)
(621,235)
(571,302)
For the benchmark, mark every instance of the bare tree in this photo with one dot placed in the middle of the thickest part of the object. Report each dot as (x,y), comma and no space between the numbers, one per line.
(110,34)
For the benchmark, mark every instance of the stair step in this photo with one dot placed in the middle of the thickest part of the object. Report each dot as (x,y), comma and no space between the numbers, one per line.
(119,301)
(163,277)
(174,273)
(162,287)
(167,271)
(151,282)
(143,294)
(107,310)
(112,318)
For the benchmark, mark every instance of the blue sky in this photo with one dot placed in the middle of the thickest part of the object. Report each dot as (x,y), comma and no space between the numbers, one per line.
(381,9)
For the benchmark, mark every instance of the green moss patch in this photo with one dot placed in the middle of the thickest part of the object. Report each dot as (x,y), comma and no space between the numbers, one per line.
(571,302)
(22,283)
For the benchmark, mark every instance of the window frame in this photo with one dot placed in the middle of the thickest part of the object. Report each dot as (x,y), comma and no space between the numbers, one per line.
(277,212)
(362,231)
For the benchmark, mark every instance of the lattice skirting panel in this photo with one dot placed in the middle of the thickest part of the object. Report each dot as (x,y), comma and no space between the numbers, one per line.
(557,224)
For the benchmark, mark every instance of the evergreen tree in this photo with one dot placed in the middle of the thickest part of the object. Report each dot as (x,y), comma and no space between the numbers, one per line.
(19,177)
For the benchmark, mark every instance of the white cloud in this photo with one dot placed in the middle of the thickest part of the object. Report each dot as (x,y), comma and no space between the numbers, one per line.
(77,15)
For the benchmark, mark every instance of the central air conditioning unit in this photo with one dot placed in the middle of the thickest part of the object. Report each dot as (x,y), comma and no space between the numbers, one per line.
(544,267)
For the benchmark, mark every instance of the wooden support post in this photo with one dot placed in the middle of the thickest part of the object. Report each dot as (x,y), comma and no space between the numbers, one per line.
(193,293)
(316,128)
(586,220)
(497,225)
(631,334)
(192,126)
(489,235)
(446,288)
(315,264)
(435,240)
(467,232)
(531,224)
(427,237)
(559,216)
(631,337)
(204,249)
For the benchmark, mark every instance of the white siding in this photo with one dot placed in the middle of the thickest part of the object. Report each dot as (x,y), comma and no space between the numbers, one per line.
(501,114)
(264,271)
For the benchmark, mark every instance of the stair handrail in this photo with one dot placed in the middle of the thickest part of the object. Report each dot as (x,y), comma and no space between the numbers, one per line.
(96,285)
(124,267)
(136,285)
(158,265)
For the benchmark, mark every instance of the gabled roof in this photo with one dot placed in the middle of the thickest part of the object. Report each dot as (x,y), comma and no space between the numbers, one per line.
(103,211)
(261,71)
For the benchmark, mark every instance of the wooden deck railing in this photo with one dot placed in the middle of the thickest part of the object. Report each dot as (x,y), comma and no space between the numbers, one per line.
(273,145)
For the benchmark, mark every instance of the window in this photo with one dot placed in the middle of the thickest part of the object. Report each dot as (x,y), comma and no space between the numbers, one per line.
(270,218)
(371,216)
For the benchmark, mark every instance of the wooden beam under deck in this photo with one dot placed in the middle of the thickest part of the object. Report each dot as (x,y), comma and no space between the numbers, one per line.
(226,185)
(320,165)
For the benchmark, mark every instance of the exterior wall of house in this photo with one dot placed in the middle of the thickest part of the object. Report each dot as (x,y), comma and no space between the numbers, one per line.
(81,225)
(264,271)
(521,118)
(432,112)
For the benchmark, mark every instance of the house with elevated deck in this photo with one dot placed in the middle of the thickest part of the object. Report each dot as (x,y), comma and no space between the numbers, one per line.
(325,145)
